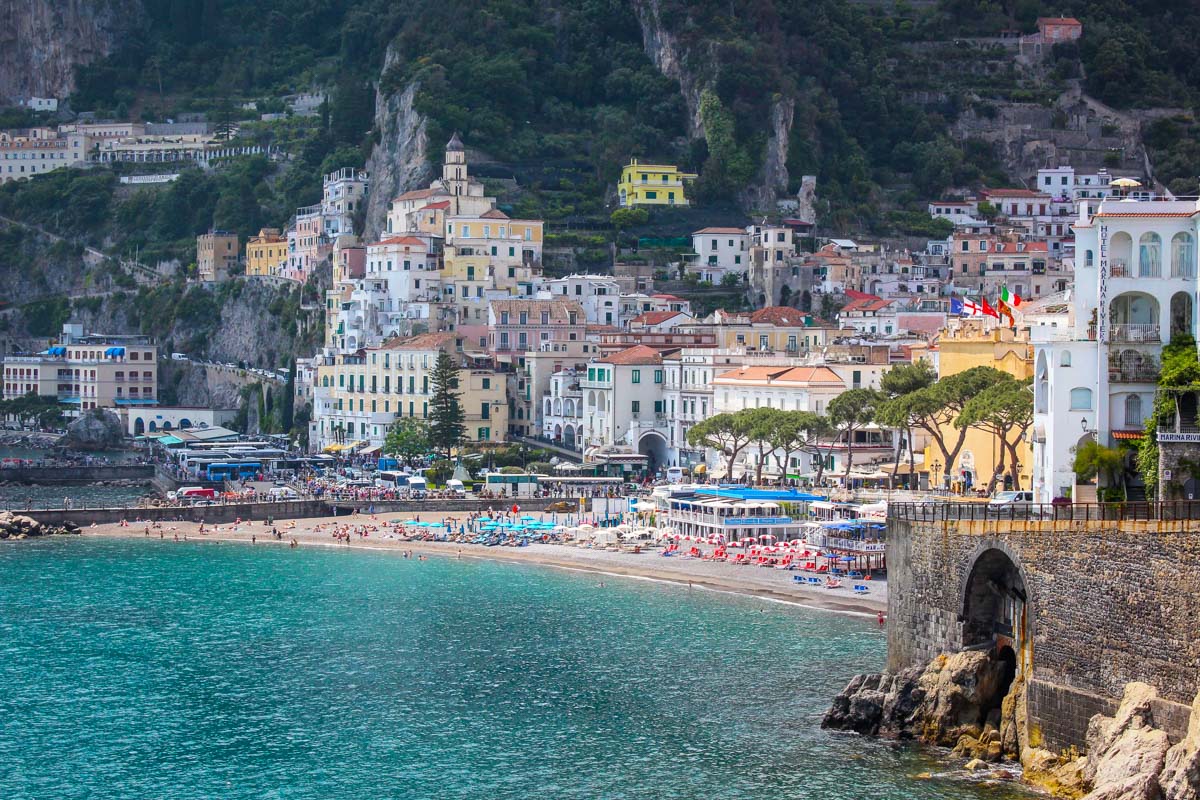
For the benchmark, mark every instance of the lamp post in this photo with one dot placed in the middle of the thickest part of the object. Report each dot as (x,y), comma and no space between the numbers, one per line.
(937,470)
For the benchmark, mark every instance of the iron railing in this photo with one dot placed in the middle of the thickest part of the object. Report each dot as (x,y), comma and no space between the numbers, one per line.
(1037,512)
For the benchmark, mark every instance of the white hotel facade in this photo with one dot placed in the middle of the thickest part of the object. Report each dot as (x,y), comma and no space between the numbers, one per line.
(1095,374)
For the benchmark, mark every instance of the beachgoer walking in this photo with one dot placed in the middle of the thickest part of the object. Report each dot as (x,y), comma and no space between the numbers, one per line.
(881,619)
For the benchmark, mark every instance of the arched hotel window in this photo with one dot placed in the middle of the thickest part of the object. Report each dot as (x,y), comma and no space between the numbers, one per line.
(1150,256)
(1183,255)
(1081,399)
(1089,258)
(1133,410)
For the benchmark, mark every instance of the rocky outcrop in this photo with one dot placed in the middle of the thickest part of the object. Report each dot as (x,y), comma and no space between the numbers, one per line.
(664,50)
(98,429)
(17,526)
(399,162)
(1126,752)
(953,702)
(773,180)
(1180,778)
(43,41)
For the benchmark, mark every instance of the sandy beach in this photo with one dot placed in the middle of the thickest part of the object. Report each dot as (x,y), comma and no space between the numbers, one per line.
(763,582)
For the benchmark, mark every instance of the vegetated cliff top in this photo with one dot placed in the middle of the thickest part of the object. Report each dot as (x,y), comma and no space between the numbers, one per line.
(566,91)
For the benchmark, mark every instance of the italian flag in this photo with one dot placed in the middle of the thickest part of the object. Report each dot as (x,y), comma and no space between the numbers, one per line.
(1012,298)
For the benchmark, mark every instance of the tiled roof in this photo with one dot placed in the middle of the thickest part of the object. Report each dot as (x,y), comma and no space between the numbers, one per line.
(413,240)
(778,315)
(1059,21)
(423,341)
(495,213)
(557,306)
(780,374)
(656,317)
(866,304)
(638,354)
(719,230)
(665,297)
(418,194)
(440,205)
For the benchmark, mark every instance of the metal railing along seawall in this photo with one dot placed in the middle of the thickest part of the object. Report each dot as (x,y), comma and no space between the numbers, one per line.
(1043,512)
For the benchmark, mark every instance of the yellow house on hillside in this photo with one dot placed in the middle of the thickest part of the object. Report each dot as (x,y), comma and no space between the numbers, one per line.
(652,185)
(265,252)
(970,344)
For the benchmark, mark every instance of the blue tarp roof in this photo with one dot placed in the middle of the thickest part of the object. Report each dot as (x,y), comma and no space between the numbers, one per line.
(744,493)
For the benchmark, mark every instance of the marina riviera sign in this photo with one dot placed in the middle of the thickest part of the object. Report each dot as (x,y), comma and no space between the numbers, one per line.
(758,520)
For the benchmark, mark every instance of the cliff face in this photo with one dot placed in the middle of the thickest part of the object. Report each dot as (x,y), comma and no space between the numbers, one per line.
(398,163)
(42,41)
(664,50)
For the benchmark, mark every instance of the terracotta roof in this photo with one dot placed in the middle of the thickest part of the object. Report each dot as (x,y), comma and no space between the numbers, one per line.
(866,304)
(1059,21)
(720,230)
(557,306)
(638,354)
(440,205)
(1141,214)
(656,317)
(413,240)
(781,374)
(418,194)
(495,213)
(665,297)
(779,315)
(423,341)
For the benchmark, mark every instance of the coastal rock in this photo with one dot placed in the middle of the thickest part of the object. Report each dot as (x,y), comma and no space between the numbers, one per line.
(947,703)
(18,526)
(1180,779)
(1126,748)
(99,429)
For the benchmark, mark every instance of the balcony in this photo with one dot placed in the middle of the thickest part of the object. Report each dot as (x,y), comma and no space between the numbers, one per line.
(1125,370)
(1136,333)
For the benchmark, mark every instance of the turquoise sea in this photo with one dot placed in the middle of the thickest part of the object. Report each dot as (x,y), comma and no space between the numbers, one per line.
(150,669)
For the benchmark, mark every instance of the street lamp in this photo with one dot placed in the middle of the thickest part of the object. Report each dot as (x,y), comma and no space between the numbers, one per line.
(937,470)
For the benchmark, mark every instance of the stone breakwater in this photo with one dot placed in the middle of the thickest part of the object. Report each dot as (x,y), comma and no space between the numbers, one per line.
(18,526)
(971,702)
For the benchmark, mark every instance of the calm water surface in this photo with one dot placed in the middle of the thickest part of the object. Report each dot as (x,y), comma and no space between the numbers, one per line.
(201,670)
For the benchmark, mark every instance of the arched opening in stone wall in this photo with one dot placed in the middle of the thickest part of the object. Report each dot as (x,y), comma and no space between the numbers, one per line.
(993,612)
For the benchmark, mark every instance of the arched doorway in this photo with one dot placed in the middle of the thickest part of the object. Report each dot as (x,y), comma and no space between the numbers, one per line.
(185,423)
(167,425)
(569,437)
(1181,314)
(153,427)
(654,445)
(139,427)
(994,603)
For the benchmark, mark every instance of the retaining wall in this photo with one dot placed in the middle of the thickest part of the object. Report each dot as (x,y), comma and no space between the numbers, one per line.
(1108,602)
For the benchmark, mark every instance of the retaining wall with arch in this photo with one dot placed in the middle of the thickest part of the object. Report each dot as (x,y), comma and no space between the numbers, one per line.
(1086,606)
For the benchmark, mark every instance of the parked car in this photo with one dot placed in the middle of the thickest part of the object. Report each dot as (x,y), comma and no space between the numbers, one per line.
(1003,501)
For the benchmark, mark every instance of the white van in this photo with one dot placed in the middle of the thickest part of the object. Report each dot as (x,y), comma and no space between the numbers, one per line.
(282,493)
(456,488)
(417,487)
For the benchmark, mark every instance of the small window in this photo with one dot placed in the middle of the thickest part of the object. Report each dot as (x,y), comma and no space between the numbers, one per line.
(1081,399)
(637,376)
(1065,361)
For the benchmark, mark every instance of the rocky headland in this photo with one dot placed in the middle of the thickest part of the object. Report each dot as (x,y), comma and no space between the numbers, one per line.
(971,702)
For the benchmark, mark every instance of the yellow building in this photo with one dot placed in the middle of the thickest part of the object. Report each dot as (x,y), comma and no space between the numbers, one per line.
(358,396)
(265,252)
(652,185)
(970,344)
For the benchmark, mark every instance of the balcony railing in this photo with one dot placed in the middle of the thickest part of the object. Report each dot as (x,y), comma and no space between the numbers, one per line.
(1137,332)
(1145,373)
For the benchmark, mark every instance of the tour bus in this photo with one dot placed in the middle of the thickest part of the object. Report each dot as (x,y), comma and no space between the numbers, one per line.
(232,470)
(674,475)
(521,484)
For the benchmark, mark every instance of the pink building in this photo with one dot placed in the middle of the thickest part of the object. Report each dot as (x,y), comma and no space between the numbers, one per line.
(517,326)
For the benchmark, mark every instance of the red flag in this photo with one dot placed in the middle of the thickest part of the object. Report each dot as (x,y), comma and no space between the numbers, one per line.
(987,309)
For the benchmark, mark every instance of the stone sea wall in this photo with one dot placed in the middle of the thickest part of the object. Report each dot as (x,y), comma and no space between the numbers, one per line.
(1107,604)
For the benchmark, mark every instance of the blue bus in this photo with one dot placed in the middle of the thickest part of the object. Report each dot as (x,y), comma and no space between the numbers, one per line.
(232,470)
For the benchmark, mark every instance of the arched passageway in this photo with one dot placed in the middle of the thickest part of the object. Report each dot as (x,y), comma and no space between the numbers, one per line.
(994,600)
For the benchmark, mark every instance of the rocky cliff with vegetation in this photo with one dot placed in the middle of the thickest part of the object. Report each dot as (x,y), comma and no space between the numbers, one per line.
(43,41)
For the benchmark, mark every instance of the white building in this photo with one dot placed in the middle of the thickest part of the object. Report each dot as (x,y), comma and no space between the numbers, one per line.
(598,294)
(1135,288)
(344,194)
(623,404)
(960,212)
(562,409)
(718,251)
